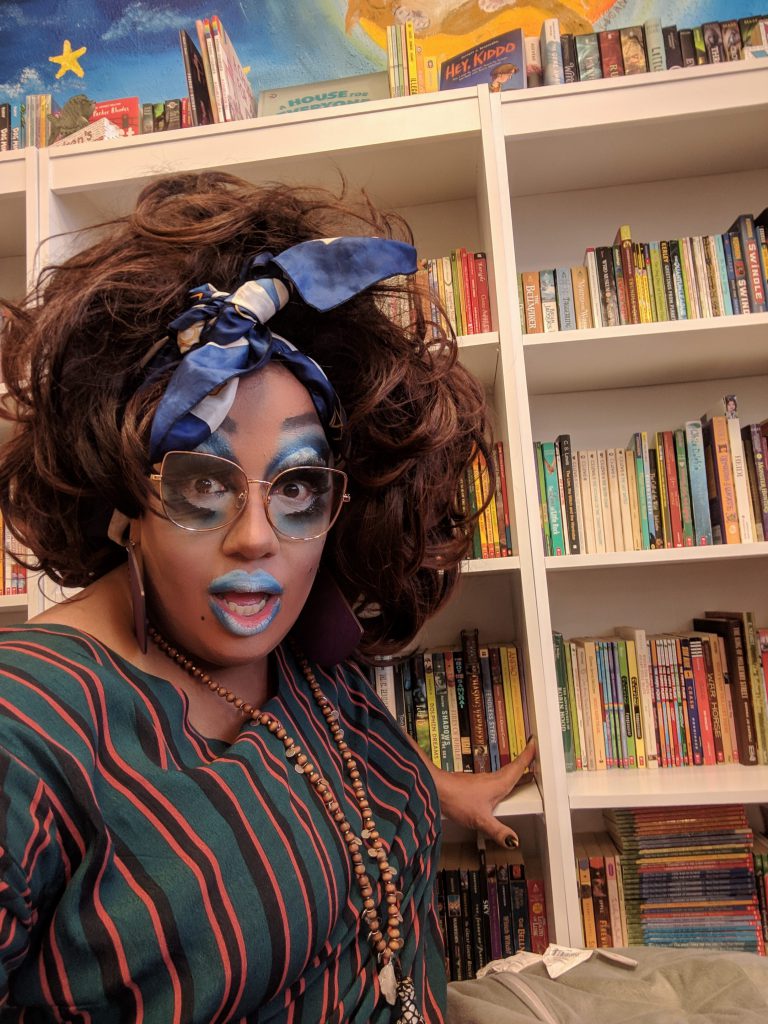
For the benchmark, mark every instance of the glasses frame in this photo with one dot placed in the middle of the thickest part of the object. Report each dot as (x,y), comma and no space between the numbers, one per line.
(264,488)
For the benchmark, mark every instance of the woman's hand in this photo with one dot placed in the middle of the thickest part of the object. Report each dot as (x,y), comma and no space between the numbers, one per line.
(469,800)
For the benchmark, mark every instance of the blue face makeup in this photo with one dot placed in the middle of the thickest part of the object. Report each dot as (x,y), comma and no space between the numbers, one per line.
(245,603)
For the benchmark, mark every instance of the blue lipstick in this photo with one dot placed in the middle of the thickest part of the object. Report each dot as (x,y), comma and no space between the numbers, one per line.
(230,603)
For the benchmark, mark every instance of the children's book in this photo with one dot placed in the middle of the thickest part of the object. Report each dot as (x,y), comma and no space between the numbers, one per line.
(339,92)
(498,63)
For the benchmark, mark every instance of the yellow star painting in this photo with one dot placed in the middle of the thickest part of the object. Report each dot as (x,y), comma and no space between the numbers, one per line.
(69,60)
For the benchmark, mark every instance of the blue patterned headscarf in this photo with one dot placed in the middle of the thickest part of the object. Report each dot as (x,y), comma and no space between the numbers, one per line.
(223,336)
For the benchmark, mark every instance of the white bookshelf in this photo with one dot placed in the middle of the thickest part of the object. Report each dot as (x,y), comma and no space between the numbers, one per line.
(530,178)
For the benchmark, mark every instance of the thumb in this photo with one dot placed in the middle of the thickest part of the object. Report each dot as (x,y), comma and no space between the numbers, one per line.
(499,833)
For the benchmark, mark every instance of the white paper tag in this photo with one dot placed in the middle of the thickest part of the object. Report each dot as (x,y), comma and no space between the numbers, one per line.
(560,959)
(511,964)
(388,983)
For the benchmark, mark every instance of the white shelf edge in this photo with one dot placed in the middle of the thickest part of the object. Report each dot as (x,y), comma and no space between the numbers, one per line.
(623,83)
(13,602)
(486,566)
(666,556)
(640,331)
(526,800)
(668,787)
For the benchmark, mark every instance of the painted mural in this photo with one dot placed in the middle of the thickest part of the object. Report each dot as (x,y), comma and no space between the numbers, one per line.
(109,49)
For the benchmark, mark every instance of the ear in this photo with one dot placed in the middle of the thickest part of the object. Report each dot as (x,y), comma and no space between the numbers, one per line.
(119,528)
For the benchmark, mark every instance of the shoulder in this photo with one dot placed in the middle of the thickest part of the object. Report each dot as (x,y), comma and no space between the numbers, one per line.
(54,681)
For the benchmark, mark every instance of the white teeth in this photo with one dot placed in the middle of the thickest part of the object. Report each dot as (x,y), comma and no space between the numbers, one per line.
(246,609)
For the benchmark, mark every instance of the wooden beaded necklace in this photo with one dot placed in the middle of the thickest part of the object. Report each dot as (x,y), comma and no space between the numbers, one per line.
(394,986)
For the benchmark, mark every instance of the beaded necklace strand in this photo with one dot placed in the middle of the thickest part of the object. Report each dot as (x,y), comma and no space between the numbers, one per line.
(387,945)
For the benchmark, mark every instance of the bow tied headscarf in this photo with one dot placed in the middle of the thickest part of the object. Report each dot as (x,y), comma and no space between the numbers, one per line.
(222,336)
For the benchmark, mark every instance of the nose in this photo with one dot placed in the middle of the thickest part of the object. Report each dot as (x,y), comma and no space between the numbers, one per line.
(251,535)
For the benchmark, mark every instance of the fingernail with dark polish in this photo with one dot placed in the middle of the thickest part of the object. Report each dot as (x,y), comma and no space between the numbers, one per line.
(512,842)
(528,739)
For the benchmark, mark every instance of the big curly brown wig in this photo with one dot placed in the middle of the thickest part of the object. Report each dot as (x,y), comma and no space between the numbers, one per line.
(72,362)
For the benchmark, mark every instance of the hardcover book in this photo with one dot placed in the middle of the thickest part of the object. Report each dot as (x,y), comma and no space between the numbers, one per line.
(551,52)
(611,57)
(197,87)
(498,63)
(633,50)
(588,56)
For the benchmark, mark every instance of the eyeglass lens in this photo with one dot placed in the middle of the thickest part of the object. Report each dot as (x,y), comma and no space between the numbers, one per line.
(205,492)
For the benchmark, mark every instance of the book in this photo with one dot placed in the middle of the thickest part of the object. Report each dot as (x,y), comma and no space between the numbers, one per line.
(197,87)
(534,71)
(588,56)
(338,92)
(633,50)
(730,631)
(548,300)
(570,59)
(212,72)
(721,489)
(470,645)
(498,62)
(744,228)
(582,302)
(124,114)
(611,57)
(672,54)
(534,320)
(551,52)
(238,99)
(654,44)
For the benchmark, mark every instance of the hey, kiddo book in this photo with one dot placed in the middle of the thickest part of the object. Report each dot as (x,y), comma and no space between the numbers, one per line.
(339,92)
(498,63)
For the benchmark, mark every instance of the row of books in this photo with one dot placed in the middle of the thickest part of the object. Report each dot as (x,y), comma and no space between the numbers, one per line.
(460,282)
(492,534)
(689,698)
(410,69)
(651,282)
(489,907)
(556,58)
(704,483)
(466,707)
(13,576)
(673,876)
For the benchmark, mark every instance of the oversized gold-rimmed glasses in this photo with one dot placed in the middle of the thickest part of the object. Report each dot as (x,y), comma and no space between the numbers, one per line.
(202,492)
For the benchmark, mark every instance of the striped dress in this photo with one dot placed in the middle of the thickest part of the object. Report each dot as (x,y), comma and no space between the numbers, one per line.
(151,874)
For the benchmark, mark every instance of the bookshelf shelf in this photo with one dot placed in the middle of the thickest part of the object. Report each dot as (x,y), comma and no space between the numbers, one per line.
(667,556)
(624,130)
(646,354)
(527,800)
(389,147)
(667,787)
(486,566)
(480,354)
(13,603)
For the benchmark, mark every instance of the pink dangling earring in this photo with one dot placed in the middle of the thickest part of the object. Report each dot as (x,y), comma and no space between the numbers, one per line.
(138,597)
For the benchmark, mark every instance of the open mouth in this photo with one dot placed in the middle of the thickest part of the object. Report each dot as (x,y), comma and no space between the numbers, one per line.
(245,614)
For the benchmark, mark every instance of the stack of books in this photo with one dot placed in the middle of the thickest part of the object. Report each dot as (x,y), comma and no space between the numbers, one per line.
(696,697)
(651,282)
(688,877)
(704,483)
(466,706)
(489,906)
(218,88)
